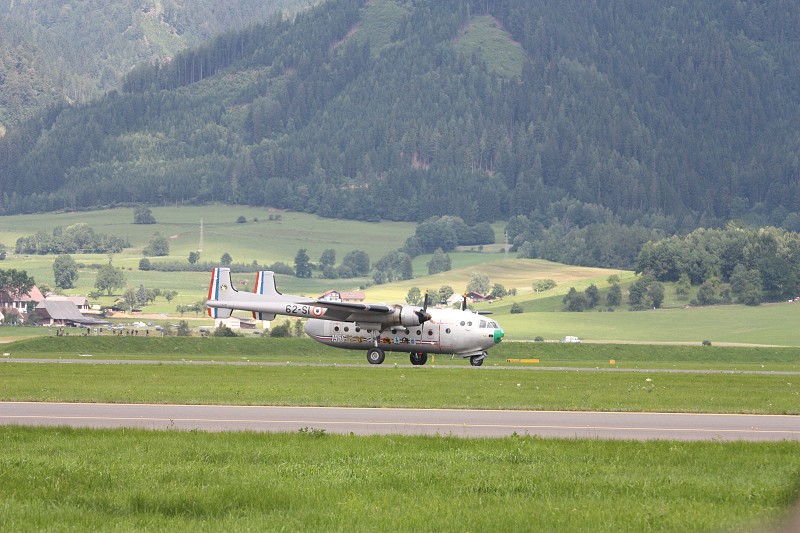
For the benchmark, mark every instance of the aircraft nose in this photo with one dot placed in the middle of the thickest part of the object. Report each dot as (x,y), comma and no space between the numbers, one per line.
(498,335)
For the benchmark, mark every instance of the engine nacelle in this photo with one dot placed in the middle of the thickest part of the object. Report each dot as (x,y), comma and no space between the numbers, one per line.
(409,316)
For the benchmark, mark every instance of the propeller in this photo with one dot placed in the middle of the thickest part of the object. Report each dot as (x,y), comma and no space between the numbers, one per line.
(464,303)
(423,313)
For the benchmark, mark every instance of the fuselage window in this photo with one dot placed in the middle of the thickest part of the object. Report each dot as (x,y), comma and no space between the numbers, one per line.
(335,328)
(346,328)
(447,330)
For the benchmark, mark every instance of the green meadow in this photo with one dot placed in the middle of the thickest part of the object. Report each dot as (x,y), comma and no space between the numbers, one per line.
(348,380)
(134,480)
(268,236)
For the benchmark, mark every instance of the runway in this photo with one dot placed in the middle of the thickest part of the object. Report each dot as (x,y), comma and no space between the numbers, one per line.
(380,421)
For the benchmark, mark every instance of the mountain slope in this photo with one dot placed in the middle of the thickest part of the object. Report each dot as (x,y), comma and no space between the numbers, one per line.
(669,116)
(52,51)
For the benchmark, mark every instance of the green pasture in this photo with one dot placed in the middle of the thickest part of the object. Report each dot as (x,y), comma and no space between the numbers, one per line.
(135,480)
(773,324)
(267,241)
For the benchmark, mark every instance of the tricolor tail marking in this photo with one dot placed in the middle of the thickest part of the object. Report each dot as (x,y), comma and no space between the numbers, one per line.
(213,292)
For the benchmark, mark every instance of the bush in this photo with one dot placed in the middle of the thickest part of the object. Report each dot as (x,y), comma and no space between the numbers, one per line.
(281,330)
(516,309)
(706,343)
(539,338)
(183,329)
(241,219)
(224,331)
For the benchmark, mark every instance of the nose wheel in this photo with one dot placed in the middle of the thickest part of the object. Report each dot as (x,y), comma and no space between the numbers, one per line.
(419,358)
(477,360)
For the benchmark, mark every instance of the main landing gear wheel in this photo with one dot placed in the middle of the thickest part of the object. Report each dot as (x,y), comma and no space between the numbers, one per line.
(375,356)
(477,360)
(419,358)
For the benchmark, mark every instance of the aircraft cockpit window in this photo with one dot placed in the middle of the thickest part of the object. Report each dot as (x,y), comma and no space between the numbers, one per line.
(483,323)
(493,324)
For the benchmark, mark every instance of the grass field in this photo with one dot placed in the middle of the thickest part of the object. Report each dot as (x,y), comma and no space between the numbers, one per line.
(401,386)
(139,480)
(126,480)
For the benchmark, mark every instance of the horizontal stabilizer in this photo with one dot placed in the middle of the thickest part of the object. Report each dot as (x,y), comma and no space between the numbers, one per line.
(218,312)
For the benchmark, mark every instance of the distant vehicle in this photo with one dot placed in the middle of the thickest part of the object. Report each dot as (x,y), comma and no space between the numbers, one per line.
(378,328)
(570,338)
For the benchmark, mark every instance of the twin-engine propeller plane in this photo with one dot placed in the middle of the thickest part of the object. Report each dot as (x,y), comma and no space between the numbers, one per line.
(378,328)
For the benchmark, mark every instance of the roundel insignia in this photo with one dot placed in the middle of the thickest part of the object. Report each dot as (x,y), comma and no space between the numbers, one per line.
(317,311)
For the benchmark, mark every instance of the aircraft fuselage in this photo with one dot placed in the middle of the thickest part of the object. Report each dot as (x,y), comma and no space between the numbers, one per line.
(448,331)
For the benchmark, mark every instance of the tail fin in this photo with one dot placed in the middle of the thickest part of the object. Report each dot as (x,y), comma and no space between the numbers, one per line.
(265,284)
(220,284)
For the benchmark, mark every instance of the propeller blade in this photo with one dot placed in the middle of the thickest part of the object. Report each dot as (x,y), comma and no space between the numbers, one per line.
(423,313)
(464,303)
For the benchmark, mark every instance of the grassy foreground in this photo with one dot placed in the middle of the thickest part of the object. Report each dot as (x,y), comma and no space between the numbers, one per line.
(139,480)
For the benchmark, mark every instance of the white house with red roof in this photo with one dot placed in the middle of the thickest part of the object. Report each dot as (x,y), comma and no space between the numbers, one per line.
(19,304)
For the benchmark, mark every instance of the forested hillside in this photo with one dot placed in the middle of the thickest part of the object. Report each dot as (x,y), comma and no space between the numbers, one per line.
(654,116)
(51,50)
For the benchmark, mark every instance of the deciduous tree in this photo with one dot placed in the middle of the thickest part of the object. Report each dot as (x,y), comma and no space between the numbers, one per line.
(65,271)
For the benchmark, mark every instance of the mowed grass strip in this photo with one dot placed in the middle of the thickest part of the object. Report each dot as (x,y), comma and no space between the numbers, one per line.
(134,480)
(305,350)
(390,386)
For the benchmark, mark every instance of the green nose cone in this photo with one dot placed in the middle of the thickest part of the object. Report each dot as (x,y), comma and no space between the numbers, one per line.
(498,335)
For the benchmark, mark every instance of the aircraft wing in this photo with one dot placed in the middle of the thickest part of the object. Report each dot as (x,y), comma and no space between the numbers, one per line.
(265,302)
(379,309)
(357,312)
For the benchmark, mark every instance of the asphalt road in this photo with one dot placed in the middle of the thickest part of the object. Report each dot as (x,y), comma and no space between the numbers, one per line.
(461,423)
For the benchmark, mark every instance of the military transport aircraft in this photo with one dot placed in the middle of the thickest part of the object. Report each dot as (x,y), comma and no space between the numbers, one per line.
(376,327)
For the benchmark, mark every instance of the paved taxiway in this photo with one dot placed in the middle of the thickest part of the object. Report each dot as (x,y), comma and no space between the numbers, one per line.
(360,421)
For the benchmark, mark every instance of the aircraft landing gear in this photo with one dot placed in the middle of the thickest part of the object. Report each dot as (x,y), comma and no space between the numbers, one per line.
(419,358)
(477,360)
(375,356)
